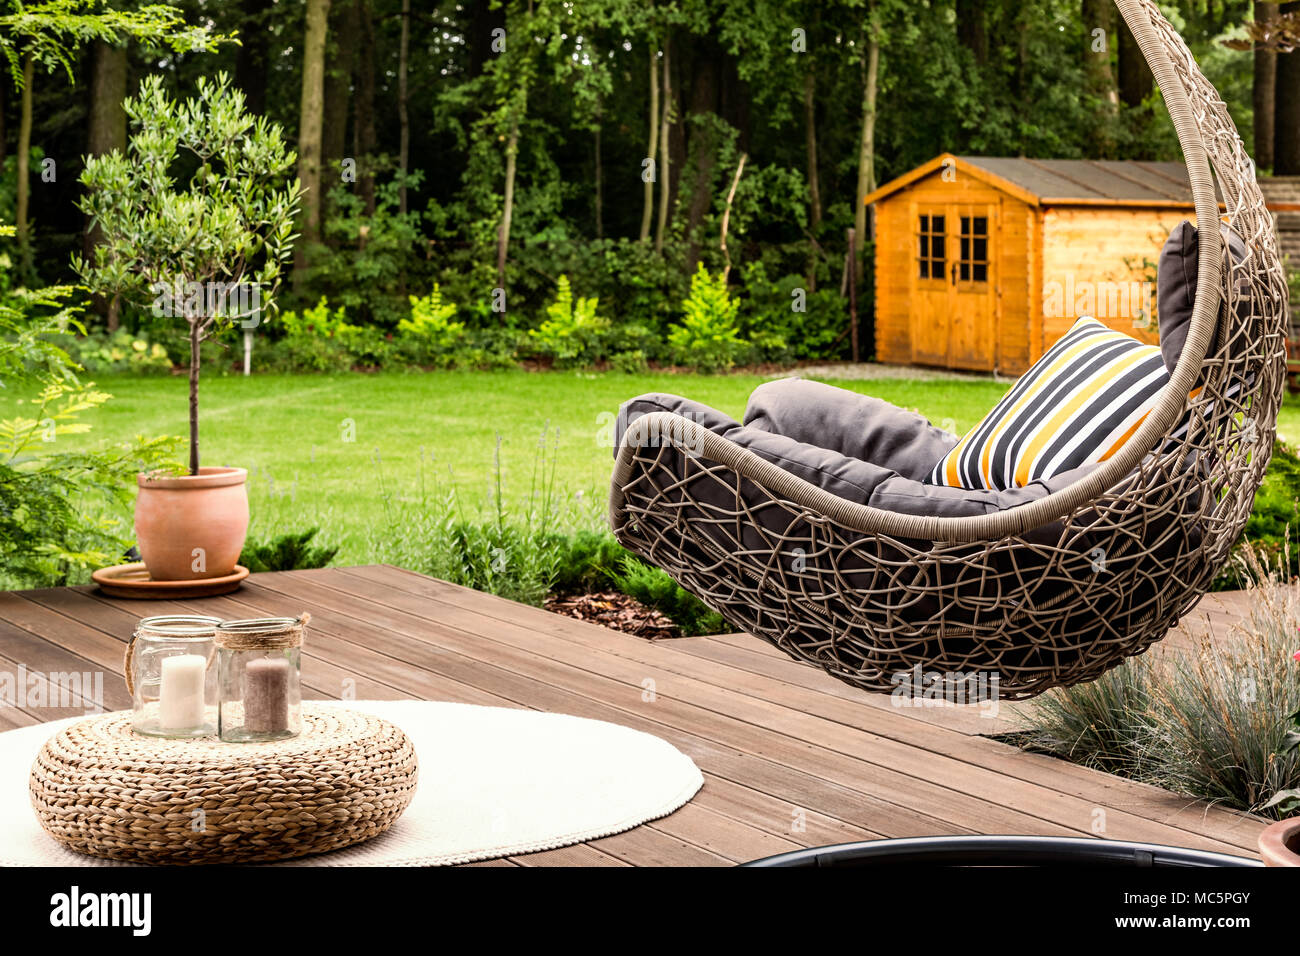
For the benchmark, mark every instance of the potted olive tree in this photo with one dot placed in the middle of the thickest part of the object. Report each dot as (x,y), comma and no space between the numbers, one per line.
(196,224)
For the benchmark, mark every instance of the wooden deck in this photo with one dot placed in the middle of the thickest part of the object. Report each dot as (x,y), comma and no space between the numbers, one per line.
(791,758)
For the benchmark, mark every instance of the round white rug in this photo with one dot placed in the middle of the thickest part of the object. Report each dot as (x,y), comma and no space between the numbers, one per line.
(493,782)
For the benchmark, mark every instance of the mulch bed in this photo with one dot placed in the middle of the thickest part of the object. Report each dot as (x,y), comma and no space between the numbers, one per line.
(616,611)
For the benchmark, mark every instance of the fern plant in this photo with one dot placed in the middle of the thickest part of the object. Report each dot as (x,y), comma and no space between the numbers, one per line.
(61,511)
(708,338)
(429,335)
(574,333)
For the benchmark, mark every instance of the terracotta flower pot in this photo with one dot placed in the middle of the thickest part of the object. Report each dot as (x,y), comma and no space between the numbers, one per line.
(1279,844)
(191,526)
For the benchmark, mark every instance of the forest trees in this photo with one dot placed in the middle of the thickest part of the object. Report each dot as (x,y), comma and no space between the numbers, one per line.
(497,144)
(47,37)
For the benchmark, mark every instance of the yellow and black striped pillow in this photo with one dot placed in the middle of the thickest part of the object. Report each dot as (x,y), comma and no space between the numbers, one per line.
(1078,405)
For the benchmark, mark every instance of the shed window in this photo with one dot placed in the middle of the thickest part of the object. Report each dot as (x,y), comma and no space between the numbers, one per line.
(932,252)
(973,265)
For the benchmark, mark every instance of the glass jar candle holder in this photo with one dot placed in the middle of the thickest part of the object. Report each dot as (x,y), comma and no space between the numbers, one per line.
(259,678)
(171,678)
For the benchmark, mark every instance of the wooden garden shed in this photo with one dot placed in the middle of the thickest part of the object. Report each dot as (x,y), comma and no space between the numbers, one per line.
(982,263)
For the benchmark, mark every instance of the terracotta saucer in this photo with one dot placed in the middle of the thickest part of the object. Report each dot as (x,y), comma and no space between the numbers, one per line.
(133,581)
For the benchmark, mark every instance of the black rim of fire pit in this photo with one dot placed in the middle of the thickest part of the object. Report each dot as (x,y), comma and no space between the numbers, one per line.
(1002,851)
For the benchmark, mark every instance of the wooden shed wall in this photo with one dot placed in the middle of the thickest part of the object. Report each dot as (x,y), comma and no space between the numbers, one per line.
(1012,268)
(1100,261)
(1050,265)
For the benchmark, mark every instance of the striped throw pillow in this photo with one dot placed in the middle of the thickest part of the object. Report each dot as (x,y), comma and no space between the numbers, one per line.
(1078,405)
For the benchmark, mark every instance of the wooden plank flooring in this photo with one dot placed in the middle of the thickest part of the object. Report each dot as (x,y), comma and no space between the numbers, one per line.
(791,757)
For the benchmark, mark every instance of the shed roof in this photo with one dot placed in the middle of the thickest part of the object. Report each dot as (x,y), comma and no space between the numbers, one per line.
(1065,181)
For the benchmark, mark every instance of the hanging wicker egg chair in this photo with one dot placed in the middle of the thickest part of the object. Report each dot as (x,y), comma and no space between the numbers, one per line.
(1019,593)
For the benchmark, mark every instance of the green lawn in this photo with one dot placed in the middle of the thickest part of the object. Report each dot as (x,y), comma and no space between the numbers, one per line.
(290,431)
(440,429)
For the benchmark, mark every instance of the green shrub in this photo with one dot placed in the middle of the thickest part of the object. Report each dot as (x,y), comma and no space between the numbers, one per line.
(430,336)
(315,340)
(61,512)
(784,321)
(707,338)
(101,353)
(574,331)
(511,555)
(292,551)
(588,561)
(654,588)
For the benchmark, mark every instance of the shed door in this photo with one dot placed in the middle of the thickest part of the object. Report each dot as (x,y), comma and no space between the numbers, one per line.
(971,327)
(931,309)
(953,315)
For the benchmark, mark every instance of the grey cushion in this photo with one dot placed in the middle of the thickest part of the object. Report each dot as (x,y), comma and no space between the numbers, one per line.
(1176,286)
(856,426)
(847,477)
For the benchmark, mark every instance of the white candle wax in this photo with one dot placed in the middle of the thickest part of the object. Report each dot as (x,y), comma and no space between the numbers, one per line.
(181,703)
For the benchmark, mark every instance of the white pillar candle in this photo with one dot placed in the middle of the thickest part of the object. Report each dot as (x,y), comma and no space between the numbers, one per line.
(181,703)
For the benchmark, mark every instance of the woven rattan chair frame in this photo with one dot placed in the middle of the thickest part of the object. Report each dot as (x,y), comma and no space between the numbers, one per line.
(1049,593)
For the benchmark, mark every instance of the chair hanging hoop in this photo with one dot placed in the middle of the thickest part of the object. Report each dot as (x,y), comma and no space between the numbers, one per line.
(1013,592)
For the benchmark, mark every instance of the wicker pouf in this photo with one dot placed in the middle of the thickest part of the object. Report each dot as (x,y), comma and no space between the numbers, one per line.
(99,788)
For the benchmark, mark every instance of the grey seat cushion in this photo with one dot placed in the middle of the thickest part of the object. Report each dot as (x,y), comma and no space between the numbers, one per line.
(841,425)
(1176,289)
(857,426)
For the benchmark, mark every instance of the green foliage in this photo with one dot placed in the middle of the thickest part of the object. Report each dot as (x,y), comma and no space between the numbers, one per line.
(291,551)
(61,512)
(589,561)
(317,339)
(231,221)
(1273,518)
(52,31)
(787,322)
(574,332)
(102,353)
(430,336)
(187,242)
(707,338)
(510,553)
(369,259)
(654,588)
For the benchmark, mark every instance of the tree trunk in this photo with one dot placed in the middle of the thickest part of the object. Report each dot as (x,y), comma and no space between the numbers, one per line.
(196,340)
(365,139)
(704,142)
(105,132)
(600,184)
(814,183)
(1135,79)
(311,118)
(652,154)
(1286,122)
(972,32)
(1264,90)
(867,143)
(810,149)
(24,163)
(1098,17)
(665,164)
(251,59)
(344,25)
(403,118)
(508,201)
